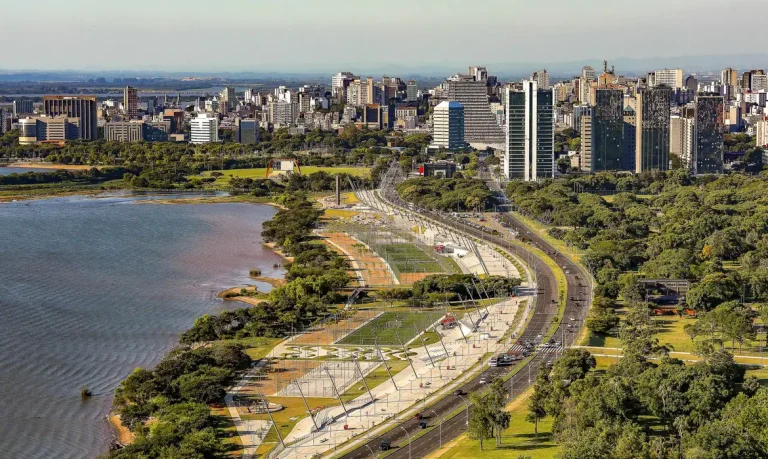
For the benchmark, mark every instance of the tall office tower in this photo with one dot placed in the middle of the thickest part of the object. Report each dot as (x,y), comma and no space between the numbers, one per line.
(729,78)
(586,142)
(588,73)
(541,78)
(448,126)
(131,102)
(480,73)
(681,130)
(412,91)
(669,77)
(22,107)
(580,111)
(82,107)
(340,82)
(479,122)
(761,133)
(759,82)
(708,138)
(607,130)
(692,84)
(630,127)
(530,145)
(228,98)
(652,130)
(246,131)
(746,80)
(204,129)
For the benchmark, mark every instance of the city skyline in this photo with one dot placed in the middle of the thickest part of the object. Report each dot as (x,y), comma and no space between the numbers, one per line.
(415,41)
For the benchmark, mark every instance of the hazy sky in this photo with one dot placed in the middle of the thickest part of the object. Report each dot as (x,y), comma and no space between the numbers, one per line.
(316,35)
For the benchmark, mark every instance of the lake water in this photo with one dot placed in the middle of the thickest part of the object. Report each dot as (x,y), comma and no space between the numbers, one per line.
(22,170)
(91,288)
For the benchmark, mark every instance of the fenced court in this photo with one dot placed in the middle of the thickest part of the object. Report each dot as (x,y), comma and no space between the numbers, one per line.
(386,328)
(317,383)
(276,375)
(373,269)
(333,330)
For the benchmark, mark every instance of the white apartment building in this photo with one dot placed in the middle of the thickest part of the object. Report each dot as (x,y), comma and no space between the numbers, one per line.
(669,77)
(448,125)
(204,129)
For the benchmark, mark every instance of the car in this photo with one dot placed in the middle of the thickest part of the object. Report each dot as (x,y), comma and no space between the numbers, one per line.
(519,341)
(572,319)
(458,392)
(552,341)
(419,416)
(482,380)
(567,272)
(423,425)
(385,445)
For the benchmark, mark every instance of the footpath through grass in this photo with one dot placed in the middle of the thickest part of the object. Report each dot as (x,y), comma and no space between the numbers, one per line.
(385,329)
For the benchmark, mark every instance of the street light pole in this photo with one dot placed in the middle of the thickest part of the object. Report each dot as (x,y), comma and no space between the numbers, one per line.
(441,427)
(409,440)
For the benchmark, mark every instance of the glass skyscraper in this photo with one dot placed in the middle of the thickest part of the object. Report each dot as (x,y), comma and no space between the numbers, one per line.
(530,142)
(608,130)
(708,140)
(652,130)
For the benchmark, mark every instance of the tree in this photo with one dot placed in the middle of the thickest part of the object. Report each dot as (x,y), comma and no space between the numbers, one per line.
(480,425)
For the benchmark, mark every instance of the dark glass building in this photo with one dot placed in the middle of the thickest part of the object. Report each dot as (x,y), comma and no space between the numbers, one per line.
(608,130)
(652,130)
(708,140)
(530,133)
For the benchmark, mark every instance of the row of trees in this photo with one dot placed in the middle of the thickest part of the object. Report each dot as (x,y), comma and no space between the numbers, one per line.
(455,194)
(83,177)
(441,288)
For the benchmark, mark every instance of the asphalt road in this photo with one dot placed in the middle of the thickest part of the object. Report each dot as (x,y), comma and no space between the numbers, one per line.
(545,311)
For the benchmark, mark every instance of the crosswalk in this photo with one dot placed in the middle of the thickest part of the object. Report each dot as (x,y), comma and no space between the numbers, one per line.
(543,349)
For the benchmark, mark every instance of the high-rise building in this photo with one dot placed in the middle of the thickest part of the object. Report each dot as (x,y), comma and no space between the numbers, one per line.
(49,129)
(691,84)
(586,142)
(681,129)
(672,78)
(607,130)
(22,107)
(82,107)
(541,78)
(652,130)
(630,133)
(283,113)
(131,102)
(588,73)
(761,133)
(479,73)
(530,145)
(204,129)
(137,131)
(412,91)
(759,82)
(448,126)
(708,139)
(340,82)
(578,112)
(246,131)
(479,123)
(228,98)
(729,78)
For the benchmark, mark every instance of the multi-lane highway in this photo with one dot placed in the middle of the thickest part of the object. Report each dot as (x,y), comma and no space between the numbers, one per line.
(446,410)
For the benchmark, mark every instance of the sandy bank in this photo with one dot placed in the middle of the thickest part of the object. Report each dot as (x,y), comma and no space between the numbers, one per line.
(68,167)
(124,435)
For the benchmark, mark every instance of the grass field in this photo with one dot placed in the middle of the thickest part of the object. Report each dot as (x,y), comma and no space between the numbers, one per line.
(389,325)
(374,378)
(407,258)
(260,173)
(517,441)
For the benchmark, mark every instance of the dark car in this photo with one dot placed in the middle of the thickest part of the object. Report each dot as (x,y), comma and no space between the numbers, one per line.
(385,445)
(423,425)
(458,392)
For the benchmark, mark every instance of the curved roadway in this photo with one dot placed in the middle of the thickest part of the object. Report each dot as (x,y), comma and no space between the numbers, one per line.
(545,311)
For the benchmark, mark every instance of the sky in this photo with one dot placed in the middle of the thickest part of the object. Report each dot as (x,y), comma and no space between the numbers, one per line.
(332,35)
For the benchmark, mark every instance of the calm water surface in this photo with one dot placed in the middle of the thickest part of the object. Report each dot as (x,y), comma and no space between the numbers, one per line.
(91,288)
(22,170)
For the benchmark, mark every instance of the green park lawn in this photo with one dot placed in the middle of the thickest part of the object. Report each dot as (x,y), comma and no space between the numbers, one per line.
(374,378)
(389,325)
(260,173)
(519,440)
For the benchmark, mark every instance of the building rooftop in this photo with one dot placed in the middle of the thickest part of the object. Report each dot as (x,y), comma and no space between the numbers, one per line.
(449,104)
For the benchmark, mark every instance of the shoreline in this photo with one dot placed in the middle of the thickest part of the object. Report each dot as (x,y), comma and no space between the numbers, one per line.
(121,434)
(66,167)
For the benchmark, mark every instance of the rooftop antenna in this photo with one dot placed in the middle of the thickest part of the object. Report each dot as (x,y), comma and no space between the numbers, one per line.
(605,66)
